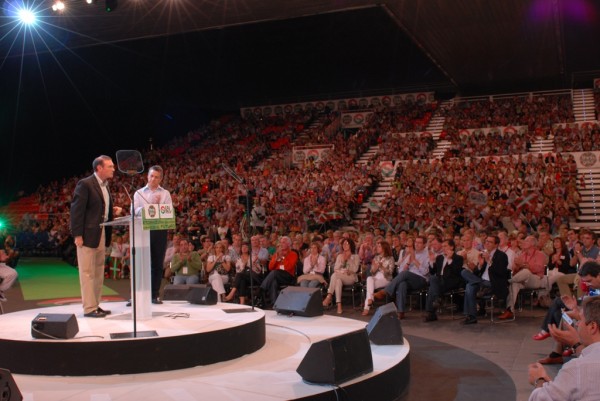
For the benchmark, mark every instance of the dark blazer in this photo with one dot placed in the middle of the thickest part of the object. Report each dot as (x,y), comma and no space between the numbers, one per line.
(499,274)
(451,277)
(87,212)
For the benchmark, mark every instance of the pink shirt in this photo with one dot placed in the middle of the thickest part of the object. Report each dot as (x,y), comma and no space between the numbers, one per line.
(534,260)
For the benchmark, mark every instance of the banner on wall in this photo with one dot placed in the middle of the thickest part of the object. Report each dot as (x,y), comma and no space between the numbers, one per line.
(510,130)
(338,104)
(587,160)
(355,120)
(582,124)
(314,154)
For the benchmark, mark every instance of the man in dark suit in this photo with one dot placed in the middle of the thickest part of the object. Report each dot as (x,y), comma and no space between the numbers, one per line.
(91,206)
(490,272)
(444,276)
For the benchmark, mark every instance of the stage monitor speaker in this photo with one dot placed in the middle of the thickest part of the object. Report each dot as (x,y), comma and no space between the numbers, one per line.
(176,292)
(54,326)
(200,294)
(337,359)
(384,328)
(300,301)
(8,387)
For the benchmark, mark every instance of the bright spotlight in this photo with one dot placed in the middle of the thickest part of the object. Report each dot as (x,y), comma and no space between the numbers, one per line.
(89,1)
(26,16)
(58,6)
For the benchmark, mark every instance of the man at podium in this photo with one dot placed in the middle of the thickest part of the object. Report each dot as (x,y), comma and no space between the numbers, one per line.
(91,206)
(154,193)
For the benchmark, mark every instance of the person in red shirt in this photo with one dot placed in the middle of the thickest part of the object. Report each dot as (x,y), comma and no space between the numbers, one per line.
(528,272)
(282,269)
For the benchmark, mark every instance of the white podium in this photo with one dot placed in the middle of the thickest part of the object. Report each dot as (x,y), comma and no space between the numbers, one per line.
(142,301)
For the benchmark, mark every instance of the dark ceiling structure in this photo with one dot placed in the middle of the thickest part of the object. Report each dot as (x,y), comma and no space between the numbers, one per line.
(480,46)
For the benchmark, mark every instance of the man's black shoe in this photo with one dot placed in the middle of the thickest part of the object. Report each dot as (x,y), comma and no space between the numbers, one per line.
(106,312)
(95,313)
(431,317)
(469,320)
(156,301)
(128,303)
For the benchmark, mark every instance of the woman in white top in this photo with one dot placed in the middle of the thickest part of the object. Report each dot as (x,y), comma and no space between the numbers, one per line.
(314,267)
(217,268)
(382,269)
(345,273)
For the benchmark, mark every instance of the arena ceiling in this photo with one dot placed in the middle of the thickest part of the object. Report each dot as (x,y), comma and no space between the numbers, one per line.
(478,46)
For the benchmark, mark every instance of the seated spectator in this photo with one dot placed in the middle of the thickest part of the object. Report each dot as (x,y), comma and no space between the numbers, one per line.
(186,265)
(528,272)
(282,270)
(444,276)
(218,266)
(559,263)
(491,272)
(313,268)
(8,275)
(345,272)
(413,274)
(578,379)
(118,251)
(382,270)
(241,281)
(171,251)
(589,251)
(12,253)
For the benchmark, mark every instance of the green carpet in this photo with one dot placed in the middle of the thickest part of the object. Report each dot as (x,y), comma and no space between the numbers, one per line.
(50,278)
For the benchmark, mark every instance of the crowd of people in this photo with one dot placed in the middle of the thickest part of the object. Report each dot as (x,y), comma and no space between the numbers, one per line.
(491,225)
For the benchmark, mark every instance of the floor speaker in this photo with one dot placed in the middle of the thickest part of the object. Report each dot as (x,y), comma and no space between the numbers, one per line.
(175,292)
(8,387)
(337,359)
(384,328)
(200,294)
(300,301)
(54,326)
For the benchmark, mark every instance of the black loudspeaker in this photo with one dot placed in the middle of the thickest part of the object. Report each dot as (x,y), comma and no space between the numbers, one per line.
(202,295)
(176,292)
(301,301)
(337,359)
(8,387)
(54,325)
(384,328)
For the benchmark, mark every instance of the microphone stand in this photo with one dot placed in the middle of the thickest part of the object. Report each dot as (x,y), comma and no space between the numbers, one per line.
(132,257)
(241,181)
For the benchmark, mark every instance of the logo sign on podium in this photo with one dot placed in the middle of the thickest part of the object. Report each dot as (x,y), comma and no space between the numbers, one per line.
(158,216)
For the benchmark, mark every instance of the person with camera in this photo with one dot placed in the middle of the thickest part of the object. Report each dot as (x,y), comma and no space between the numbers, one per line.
(565,309)
(578,379)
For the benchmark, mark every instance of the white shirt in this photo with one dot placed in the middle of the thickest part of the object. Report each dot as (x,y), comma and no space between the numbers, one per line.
(146,196)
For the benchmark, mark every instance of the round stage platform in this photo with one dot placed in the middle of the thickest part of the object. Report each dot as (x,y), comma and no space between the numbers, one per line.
(231,355)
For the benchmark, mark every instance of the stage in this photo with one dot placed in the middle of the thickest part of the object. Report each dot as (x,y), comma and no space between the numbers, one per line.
(235,355)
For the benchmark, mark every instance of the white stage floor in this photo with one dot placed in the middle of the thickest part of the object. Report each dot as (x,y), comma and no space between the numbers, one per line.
(268,374)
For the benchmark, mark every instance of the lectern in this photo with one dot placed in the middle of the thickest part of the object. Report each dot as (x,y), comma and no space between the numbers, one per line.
(141,265)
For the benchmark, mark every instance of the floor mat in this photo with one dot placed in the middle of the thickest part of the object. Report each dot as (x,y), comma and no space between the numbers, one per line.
(49,278)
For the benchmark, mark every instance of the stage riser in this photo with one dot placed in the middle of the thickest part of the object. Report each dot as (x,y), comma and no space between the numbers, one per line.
(140,355)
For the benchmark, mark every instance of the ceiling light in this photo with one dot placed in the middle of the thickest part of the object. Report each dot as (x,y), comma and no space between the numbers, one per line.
(26,16)
(58,6)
